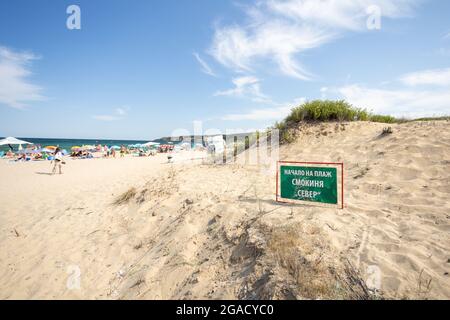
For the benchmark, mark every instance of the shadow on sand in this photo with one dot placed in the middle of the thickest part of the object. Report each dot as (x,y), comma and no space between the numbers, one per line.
(45,173)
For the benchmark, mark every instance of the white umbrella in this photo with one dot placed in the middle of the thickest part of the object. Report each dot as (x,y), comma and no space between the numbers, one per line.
(12,140)
(150,144)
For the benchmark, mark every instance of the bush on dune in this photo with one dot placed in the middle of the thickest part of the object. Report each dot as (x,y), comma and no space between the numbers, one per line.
(329,110)
(383,119)
(325,111)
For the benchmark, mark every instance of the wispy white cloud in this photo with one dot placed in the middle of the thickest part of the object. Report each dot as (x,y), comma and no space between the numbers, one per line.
(205,67)
(437,77)
(259,114)
(401,102)
(443,52)
(279,31)
(343,14)
(238,48)
(105,117)
(119,113)
(245,86)
(277,112)
(16,90)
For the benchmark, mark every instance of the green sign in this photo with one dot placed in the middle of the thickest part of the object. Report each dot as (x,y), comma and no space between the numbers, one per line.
(315,184)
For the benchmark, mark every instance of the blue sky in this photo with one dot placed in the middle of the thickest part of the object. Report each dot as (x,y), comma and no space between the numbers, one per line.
(142,69)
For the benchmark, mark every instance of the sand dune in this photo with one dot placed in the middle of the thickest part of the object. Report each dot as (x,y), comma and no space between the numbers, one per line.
(196,230)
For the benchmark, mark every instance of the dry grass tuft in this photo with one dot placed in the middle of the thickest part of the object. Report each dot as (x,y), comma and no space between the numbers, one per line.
(302,261)
(142,196)
(387,131)
(315,274)
(138,283)
(125,197)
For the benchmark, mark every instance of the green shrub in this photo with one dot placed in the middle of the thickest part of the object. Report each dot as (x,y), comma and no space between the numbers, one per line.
(443,118)
(323,111)
(326,110)
(382,119)
(329,110)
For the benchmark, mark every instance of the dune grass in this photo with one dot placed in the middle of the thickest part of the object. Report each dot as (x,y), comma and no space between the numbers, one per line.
(330,110)
(444,118)
(326,111)
(125,197)
(300,250)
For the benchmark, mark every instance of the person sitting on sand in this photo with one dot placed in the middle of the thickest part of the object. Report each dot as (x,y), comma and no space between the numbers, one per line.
(9,154)
(122,151)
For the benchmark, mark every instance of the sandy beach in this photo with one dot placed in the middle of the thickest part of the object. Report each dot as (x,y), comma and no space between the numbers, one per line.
(197,230)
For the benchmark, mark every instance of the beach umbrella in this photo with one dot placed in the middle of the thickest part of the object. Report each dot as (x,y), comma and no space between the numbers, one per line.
(12,140)
(87,147)
(75,147)
(52,148)
(115,147)
(150,144)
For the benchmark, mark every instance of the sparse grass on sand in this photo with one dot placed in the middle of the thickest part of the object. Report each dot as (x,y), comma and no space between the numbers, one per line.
(329,111)
(125,197)
(303,255)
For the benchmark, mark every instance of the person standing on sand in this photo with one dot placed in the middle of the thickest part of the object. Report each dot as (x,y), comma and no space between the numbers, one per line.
(58,161)
(122,151)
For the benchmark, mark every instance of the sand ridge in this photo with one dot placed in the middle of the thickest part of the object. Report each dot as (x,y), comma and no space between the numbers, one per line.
(198,230)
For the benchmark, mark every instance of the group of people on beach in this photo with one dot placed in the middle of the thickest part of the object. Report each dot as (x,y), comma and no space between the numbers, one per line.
(111,152)
(56,156)
(26,157)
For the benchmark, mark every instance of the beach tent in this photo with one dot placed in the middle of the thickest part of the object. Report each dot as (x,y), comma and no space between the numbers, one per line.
(12,141)
(9,141)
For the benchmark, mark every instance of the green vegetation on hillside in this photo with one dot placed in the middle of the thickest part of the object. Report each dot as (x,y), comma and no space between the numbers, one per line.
(445,118)
(326,111)
(329,110)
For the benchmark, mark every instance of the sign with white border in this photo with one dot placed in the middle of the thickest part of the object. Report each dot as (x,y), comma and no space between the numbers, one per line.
(314,183)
